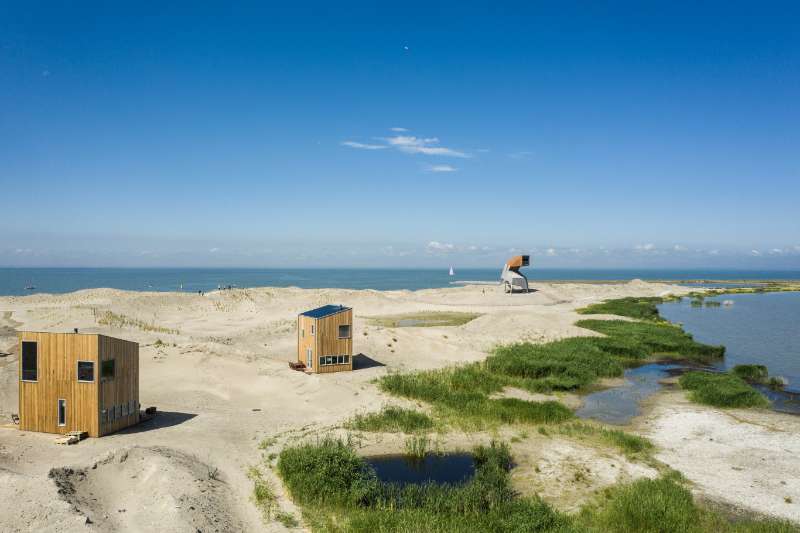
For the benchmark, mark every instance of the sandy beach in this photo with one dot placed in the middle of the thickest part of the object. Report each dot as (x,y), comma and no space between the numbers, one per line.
(215,365)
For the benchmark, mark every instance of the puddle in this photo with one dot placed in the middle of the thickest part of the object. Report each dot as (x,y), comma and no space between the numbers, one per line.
(452,468)
(618,405)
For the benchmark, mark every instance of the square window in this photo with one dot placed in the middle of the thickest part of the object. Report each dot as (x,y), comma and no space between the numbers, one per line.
(344,331)
(86,371)
(30,361)
(107,369)
(329,359)
(321,361)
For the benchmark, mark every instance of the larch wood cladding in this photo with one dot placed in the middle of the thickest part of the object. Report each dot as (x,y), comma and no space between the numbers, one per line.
(325,340)
(57,356)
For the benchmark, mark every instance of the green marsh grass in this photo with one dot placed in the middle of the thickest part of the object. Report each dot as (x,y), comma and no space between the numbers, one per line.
(721,390)
(754,373)
(638,308)
(664,505)
(392,419)
(424,319)
(627,443)
(341,493)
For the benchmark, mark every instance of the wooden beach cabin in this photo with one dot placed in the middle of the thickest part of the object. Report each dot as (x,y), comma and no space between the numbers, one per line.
(325,339)
(77,382)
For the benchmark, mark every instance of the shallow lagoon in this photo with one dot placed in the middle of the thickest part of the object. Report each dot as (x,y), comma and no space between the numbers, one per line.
(449,468)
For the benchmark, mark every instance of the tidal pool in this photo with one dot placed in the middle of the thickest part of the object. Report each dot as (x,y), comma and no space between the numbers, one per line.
(452,468)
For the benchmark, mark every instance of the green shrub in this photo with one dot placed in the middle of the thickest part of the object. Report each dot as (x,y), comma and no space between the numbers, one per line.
(639,308)
(754,373)
(721,390)
(392,419)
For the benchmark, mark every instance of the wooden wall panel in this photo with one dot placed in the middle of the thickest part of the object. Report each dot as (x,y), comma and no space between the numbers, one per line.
(58,356)
(305,340)
(328,342)
(121,393)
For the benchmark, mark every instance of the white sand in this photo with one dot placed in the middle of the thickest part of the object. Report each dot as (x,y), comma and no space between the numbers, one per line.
(222,383)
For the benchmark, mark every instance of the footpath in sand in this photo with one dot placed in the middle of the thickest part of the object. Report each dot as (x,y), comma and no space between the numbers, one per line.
(216,367)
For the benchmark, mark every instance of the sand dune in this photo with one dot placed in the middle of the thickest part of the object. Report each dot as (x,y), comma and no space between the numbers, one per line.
(215,365)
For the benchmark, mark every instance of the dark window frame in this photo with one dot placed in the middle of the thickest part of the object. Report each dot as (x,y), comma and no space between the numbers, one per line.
(62,401)
(25,372)
(78,369)
(349,331)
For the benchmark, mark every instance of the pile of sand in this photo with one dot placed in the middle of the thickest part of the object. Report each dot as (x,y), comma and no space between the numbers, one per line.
(148,489)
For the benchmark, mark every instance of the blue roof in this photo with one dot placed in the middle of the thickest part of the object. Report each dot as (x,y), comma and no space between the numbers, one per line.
(325,310)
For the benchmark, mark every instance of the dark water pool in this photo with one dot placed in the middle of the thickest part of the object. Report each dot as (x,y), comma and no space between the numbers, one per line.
(433,468)
(618,405)
(759,329)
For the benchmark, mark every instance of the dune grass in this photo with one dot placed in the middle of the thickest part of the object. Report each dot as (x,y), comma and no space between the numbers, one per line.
(753,373)
(721,390)
(664,505)
(638,308)
(627,443)
(567,365)
(424,319)
(391,419)
(340,492)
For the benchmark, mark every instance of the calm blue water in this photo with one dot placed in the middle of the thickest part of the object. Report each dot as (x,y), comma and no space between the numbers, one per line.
(757,329)
(450,468)
(59,280)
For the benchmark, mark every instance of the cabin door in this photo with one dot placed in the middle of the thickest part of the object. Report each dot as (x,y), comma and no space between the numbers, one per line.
(62,412)
(309,357)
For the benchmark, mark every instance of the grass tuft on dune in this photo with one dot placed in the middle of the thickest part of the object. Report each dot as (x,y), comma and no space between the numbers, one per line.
(721,390)
(391,419)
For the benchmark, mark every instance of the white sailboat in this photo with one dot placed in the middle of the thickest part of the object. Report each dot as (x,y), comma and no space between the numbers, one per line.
(451,271)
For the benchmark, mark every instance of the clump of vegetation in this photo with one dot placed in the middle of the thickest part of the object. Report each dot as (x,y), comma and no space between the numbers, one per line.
(424,319)
(464,392)
(339,491)
(721,390)
(664,505)
(263,495)
(115,320)
(628,443)
(696,303)
(753,373)
(638,308)
(417,446)
(392,419)
(713,303)
(288,520)
(565,365)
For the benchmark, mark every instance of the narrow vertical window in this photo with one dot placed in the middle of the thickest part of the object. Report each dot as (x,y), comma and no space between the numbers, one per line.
(62,412)
(313,329)
(30,361)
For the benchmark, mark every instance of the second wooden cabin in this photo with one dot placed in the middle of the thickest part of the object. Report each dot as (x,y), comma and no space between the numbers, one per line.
(325,339)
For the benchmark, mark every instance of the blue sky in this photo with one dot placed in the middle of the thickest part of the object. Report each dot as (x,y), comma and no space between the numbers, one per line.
(403,134)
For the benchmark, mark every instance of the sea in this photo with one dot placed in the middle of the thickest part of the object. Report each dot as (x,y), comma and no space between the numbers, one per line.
(20,281)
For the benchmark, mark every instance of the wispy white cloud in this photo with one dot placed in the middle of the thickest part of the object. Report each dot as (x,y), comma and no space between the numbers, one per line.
(520,155)
(213,250)
(680,248)
(648,247)
(419,145)
(755,253)
(440,168)
(364,146)
(551,252)
(436,247)
(399,130)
